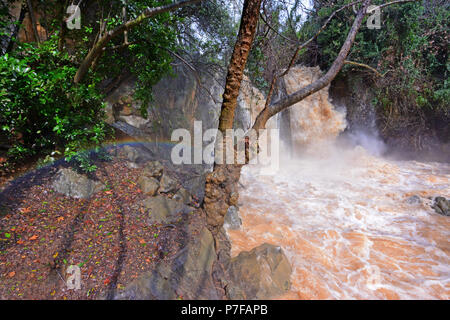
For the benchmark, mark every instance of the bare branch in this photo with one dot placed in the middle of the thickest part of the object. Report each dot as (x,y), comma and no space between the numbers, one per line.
(274,108)
(194,71)
(364,66)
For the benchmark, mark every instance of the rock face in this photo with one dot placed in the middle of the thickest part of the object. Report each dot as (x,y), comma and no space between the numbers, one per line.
(250,103)
(262,273)
(441,206)
(164,210)
(178,102)
(75,185)
(187,275)
(232,219)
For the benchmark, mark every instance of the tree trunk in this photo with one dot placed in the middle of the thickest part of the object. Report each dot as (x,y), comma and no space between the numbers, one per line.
(221,190)
(221,185)
(33,21)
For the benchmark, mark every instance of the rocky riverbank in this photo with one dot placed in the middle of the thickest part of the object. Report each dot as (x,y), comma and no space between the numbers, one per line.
(135,229)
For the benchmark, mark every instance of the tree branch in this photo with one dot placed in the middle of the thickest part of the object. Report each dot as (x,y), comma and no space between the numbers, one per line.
(271,109)
(97,49)
(364,66)
(274,108)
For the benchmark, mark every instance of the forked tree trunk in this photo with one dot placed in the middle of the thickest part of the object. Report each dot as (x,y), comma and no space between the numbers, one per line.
(221,190)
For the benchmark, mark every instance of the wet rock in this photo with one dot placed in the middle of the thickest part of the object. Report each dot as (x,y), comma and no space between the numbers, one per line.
(188,274)
(441,206)
(132,154)
(164,210)
(196,186)
(148,185)
(232,219)
(75,185)
(414,200)
(167,184)
(183,195)
(153,169)
(262,273)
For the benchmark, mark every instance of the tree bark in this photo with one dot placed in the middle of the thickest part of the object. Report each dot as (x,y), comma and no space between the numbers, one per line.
(221,189)
(249,21)
(221,184)
(62,28)
(33,21)
(97,49)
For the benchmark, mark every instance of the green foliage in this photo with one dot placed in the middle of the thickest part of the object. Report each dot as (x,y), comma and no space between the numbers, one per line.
(41,109)
(410,48)
(148,57)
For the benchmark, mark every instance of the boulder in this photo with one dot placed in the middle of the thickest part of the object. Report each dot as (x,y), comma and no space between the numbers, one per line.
(414,200)
(153,169)
(167,184)
(196,186)
(164,210)
(183,195)
(441,206)
(132,154)
(187,274)
(232,219)
(262,273)
(148,185)
(75,185)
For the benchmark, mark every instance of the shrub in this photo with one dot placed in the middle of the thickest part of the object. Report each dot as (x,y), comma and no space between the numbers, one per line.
(41,110)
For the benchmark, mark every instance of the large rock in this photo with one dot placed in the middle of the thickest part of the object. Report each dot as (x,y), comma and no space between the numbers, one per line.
(188,274)
(132,154)
(148,185)
(262,273)
(183,195)
(153,169)
(441,206)
(164,210)
(75,185)
(167,184)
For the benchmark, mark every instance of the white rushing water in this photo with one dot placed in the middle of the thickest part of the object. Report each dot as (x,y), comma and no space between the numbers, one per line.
(349,226)
(353,225)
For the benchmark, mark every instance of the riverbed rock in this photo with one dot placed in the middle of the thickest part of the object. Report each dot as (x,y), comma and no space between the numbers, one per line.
(167,184)
(188,274)
(164,210)
(262,273)
(232,219)
(441,206)
(148,185)
(414,200)
(75,185)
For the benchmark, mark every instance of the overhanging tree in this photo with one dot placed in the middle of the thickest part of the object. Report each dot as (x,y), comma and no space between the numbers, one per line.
(221,184)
